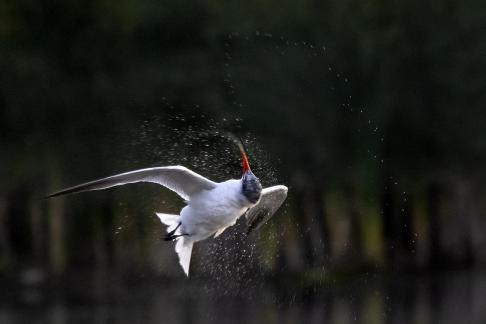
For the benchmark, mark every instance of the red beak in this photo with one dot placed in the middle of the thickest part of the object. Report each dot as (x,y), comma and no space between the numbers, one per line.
(244,159)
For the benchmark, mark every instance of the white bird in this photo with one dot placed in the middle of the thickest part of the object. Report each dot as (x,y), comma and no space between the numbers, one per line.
(211,206)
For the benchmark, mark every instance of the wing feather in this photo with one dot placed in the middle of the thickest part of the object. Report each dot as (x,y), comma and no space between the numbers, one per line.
(176,178)
(272,198)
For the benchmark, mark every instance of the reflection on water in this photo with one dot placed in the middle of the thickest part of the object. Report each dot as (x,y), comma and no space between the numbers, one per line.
(457,297)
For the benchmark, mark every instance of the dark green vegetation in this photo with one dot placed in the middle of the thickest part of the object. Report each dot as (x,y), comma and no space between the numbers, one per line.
(372,112)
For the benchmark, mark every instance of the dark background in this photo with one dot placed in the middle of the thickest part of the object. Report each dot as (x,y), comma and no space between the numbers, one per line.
(371,112)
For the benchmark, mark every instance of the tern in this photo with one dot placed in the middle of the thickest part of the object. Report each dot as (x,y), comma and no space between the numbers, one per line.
(211,207)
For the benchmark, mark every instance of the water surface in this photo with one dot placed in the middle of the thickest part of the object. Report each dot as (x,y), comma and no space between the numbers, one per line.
(454,297)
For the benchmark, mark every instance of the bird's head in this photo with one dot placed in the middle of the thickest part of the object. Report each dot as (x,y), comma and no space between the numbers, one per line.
(251,186)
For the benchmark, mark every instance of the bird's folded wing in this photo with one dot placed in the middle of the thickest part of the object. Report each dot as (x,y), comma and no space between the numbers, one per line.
(177,178)
(272,198)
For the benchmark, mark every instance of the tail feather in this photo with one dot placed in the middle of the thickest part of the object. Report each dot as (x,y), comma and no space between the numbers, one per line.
(170,220)
(184,245)
(183,248)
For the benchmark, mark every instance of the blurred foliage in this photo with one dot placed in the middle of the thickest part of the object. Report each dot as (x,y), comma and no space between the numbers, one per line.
(371,111)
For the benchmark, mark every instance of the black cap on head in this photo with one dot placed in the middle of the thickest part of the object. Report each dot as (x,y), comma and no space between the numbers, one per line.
(252,188)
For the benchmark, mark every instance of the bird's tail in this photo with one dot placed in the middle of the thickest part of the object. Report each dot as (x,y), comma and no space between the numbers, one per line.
(170,220)
(183,249)
(183,246)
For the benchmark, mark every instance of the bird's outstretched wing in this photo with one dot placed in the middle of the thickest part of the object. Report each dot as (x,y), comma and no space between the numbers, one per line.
(177,178)
(272,198)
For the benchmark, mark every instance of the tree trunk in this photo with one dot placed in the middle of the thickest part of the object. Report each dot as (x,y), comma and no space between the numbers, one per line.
(5,243)
(37,230)
(57,248)
(355,246)
(434,193)
(397,226)
(312,221)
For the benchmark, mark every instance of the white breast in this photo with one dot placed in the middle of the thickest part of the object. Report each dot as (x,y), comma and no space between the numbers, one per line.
(212,210)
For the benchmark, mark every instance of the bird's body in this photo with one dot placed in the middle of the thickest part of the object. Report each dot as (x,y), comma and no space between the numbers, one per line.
(211,211)
(211,207)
